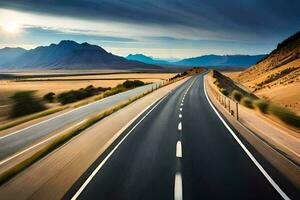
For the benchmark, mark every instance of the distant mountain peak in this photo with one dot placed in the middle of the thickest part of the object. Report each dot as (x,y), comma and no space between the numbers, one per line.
(68,42)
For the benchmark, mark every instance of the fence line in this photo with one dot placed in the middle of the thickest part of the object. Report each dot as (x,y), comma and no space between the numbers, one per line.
(233,110)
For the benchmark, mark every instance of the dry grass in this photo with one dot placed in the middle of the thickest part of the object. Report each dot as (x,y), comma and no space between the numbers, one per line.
(43,86)
(283,91)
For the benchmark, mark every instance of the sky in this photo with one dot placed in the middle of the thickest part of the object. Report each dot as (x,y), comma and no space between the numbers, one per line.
(170,29)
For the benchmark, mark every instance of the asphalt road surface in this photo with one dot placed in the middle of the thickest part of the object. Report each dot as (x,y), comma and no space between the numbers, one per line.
(180,149)
(19,140)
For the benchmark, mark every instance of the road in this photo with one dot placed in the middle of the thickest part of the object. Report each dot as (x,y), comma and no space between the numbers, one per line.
(180,149)
(21,139)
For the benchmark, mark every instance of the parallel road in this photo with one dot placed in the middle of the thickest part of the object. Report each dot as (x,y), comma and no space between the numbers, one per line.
(19,140)
(181,149)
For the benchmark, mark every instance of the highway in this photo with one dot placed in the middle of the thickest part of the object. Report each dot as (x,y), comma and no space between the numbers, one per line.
(181,149)
(21,139)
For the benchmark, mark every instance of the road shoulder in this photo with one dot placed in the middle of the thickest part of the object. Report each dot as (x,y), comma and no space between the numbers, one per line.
(274,156)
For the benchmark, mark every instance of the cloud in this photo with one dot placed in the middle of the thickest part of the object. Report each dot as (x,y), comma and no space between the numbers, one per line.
(253,18)
(163,27)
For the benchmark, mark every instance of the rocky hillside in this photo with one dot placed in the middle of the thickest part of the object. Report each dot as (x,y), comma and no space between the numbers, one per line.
(277,77)
(286,55)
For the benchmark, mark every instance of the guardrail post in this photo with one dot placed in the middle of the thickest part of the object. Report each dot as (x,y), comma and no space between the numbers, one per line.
(237,111)
(229,104)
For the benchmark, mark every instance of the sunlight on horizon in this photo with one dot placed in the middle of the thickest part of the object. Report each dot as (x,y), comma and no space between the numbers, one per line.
(11,27)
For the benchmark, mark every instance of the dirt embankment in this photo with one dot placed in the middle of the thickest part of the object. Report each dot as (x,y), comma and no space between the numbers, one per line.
(277,77)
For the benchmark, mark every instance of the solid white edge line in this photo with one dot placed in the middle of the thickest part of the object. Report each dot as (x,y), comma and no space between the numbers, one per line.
(114,149)
(178,187)
(178,149)
(35,145)
(41,122)
(262,170)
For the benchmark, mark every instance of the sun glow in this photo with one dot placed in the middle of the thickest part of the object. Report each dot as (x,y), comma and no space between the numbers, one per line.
(11,27)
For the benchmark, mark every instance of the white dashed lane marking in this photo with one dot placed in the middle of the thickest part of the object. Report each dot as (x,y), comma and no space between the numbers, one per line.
(178,187)
(178,150)
(179,126)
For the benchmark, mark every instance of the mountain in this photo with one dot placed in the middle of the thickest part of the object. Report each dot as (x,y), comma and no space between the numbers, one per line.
(221,60)
(146,59)
(277,76)
(7,54)
(72,55)
(207,60)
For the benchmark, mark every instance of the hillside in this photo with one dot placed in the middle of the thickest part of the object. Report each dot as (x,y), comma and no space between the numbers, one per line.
(71,55)
(277,77)
(221,60)
(8,54)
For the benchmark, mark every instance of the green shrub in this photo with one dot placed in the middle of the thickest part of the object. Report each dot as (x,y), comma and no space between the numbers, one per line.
(246,101)
(49,97)
(236,95)
(285,115)
(114,91)
(25,103)
(82,93)
(262,105)
(175,77)
(133,84)
(224,91)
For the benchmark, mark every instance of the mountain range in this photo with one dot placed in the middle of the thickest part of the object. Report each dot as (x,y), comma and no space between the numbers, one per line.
(69,55)
(147,59)
(72,55)
(206,60)
(7,54)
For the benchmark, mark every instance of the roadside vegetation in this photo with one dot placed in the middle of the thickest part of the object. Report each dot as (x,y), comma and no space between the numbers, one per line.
(83,93)
(25,103)
(77,95)
(49,97)
(277,76)
(228,88)
(27,107)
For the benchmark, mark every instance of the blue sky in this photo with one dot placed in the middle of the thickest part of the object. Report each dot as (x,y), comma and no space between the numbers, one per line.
(160,28)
